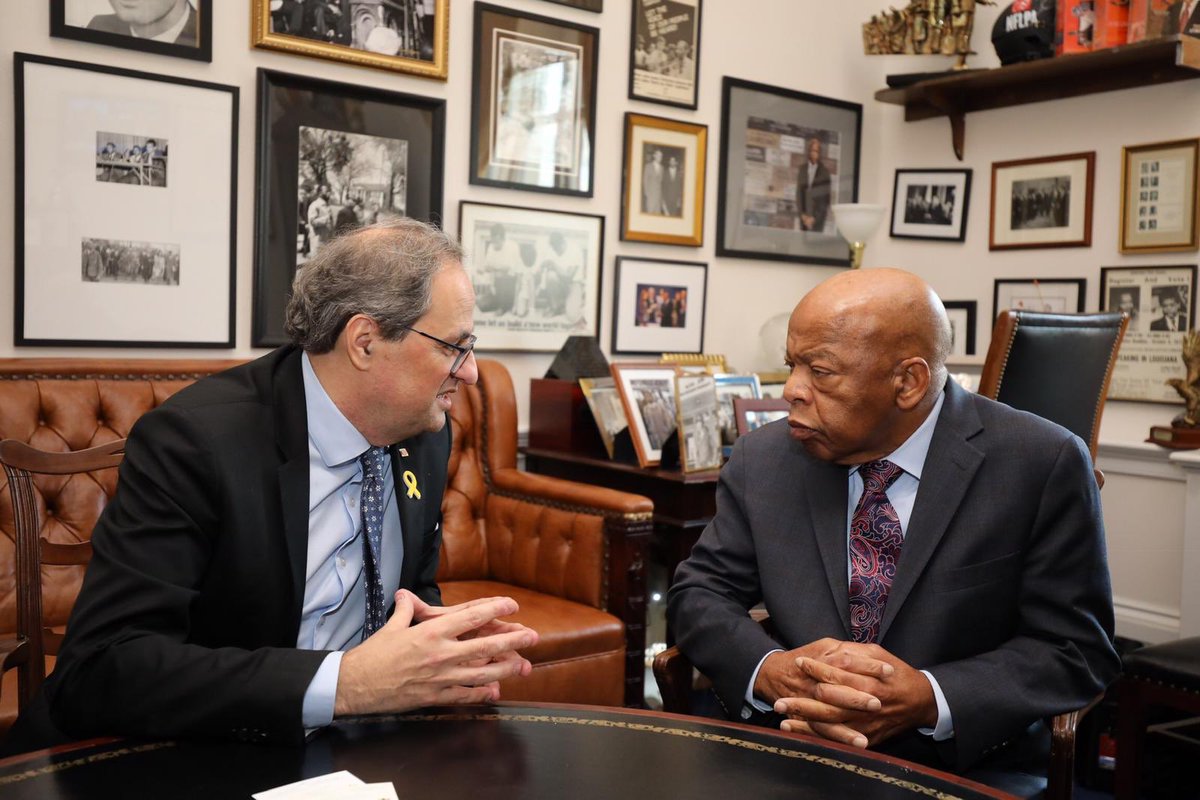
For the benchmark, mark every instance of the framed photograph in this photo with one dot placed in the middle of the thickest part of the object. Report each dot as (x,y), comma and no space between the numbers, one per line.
(664,51)
(398,35)
(586,5)
(931,204)
(1161,304)
(772,383)
(1042,202)
(750,414)
(786,158)
(181,28)
(962,326)
(696,419)
(533,102)
(658,306)
(1159,206)
(126,223)
(332,156)
(536,275)
(648,395)
(605,403)
(1060,295)
(663,187)
(729,387)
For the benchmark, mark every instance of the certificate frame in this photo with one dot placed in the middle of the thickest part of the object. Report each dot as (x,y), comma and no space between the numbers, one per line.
(1160,211)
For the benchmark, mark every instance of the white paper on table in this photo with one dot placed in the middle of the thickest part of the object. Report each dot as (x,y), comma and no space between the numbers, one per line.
(335,784)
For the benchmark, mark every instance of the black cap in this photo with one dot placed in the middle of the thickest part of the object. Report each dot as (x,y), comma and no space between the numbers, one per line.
(1025,31)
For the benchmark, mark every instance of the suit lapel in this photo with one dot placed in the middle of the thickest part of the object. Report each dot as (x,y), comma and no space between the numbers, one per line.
(291,437)
(406,458)
(950,467)
(826,487)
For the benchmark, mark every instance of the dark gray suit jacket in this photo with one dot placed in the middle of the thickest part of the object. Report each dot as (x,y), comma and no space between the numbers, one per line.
(1002,590)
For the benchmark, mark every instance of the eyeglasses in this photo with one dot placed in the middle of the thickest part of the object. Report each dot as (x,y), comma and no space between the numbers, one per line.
(462,350)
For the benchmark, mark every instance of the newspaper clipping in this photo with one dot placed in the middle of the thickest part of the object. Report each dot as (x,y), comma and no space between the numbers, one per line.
(664,50)
(1159,303)
(696,402)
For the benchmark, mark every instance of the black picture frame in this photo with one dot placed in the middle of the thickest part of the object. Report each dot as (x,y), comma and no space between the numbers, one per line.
(108,33)
(680,283)
(586,5)
(1061,295)
(507,149)
(154,241)
(931,204)
(965,310)
(665,76)
(371,119)
(796,115)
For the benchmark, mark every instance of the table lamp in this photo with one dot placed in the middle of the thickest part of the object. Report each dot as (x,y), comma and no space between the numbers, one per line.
(856,222)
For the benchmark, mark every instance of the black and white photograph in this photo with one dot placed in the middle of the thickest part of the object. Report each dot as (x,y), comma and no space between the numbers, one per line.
(659,306)
(533,101)
(399,35)
(536,275)
(696,419)
(648,395)
(180,28)
(931,204)
(1042,202)
(131,159)
(664,59)
(663,181)
(729,387)
(116,261)
(962,327)
(605,403)
(98,234)
(1160,206)
(1160,301)
(347,180)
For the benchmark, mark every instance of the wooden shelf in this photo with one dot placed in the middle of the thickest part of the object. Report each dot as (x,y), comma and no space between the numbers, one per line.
(1142,64)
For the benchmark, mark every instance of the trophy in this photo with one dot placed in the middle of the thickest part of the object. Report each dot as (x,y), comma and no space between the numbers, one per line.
(1184,431)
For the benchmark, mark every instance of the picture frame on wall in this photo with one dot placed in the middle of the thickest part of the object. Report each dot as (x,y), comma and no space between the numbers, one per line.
(931,204)
(1160,207)
(410,36)
(1161,304)
(962,326)
(664,51)
(658,306)
(126,218)
(1058,295)
(663,189)
(786,158)
(332,156)
(1042,202)
(648,395)
(533,102)
(187,24)
(536,275)
(586,5)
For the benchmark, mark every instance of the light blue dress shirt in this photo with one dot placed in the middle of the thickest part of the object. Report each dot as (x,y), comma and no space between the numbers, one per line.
(902,494)
(334,597)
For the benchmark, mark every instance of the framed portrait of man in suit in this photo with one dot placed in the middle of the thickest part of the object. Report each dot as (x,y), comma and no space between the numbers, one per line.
(663,189)
(181,28)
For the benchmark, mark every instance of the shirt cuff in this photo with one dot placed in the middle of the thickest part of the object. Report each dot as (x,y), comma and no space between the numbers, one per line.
(317,711)
(751,700)
(945,723)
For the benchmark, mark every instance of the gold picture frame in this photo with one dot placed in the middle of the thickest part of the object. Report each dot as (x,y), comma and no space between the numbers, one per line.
(419,45)
(1160,211)
(664,176)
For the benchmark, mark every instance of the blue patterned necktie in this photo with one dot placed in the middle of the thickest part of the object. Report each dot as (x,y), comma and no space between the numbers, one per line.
(875,541)
(374,461)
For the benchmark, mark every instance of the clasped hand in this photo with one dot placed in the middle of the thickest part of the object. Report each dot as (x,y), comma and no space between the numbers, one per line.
(856,694)
(459,654)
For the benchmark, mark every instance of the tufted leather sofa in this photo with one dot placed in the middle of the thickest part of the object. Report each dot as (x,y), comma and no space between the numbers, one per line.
(572,555)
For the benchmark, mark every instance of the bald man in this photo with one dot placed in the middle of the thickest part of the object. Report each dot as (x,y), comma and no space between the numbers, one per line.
(933,561)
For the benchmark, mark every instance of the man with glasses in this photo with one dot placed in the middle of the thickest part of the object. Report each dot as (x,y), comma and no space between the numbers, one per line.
(275,534)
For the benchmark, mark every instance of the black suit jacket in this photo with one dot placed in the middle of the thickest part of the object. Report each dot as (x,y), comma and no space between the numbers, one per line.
(1160,324)
(818,195)
(111,23)
(187,621)
(1002,589)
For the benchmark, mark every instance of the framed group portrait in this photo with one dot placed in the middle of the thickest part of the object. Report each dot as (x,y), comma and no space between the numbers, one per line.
(332,157)
(536,275)
(398,35)
(658,306)
(664,51)
(663,189)
(533,102)
(962,327)
(181,28)
(648,395)
(1159,208)
(931,204)
(125,199)
(1042,202)
(786,158)
(1059,295)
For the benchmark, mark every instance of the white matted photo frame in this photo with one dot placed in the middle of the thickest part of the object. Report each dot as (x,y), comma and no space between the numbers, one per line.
(962,326)
(664,51)
(1042,202)
(663,189)
(131,245)
(786,158)
(400,35)
(658,306)
(648,395)
(1159,201)
(536,275)
(180,28)
(1059,295)
(533,102)
(931,204)
(1161,304)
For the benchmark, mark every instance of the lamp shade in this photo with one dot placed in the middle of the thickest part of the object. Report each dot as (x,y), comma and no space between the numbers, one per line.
(857,221)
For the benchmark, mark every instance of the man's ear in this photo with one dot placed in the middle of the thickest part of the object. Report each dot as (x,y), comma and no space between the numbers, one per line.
(360,333)
(912,382)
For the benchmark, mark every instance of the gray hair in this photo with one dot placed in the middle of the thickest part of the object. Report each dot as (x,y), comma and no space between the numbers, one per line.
(384,271)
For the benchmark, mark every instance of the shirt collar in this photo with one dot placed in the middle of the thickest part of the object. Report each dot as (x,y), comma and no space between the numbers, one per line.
(910,456)
(336,439)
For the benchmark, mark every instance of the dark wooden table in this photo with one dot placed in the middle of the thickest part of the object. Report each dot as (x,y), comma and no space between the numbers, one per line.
(505,751)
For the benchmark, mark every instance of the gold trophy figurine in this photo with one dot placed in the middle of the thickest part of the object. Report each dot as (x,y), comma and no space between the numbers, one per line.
(924,27)
(1184,431)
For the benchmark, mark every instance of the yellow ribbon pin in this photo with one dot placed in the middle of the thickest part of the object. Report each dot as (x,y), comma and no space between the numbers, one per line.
(410,483)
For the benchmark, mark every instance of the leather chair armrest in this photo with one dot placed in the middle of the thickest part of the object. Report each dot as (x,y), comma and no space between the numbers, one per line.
(542,488)
(14,652)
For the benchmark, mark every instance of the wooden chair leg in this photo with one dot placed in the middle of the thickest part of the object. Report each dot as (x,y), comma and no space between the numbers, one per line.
(1131,732)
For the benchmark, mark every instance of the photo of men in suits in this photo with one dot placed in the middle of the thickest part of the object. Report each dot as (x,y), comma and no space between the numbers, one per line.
(813,189)
(1173,316)
(171,21)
